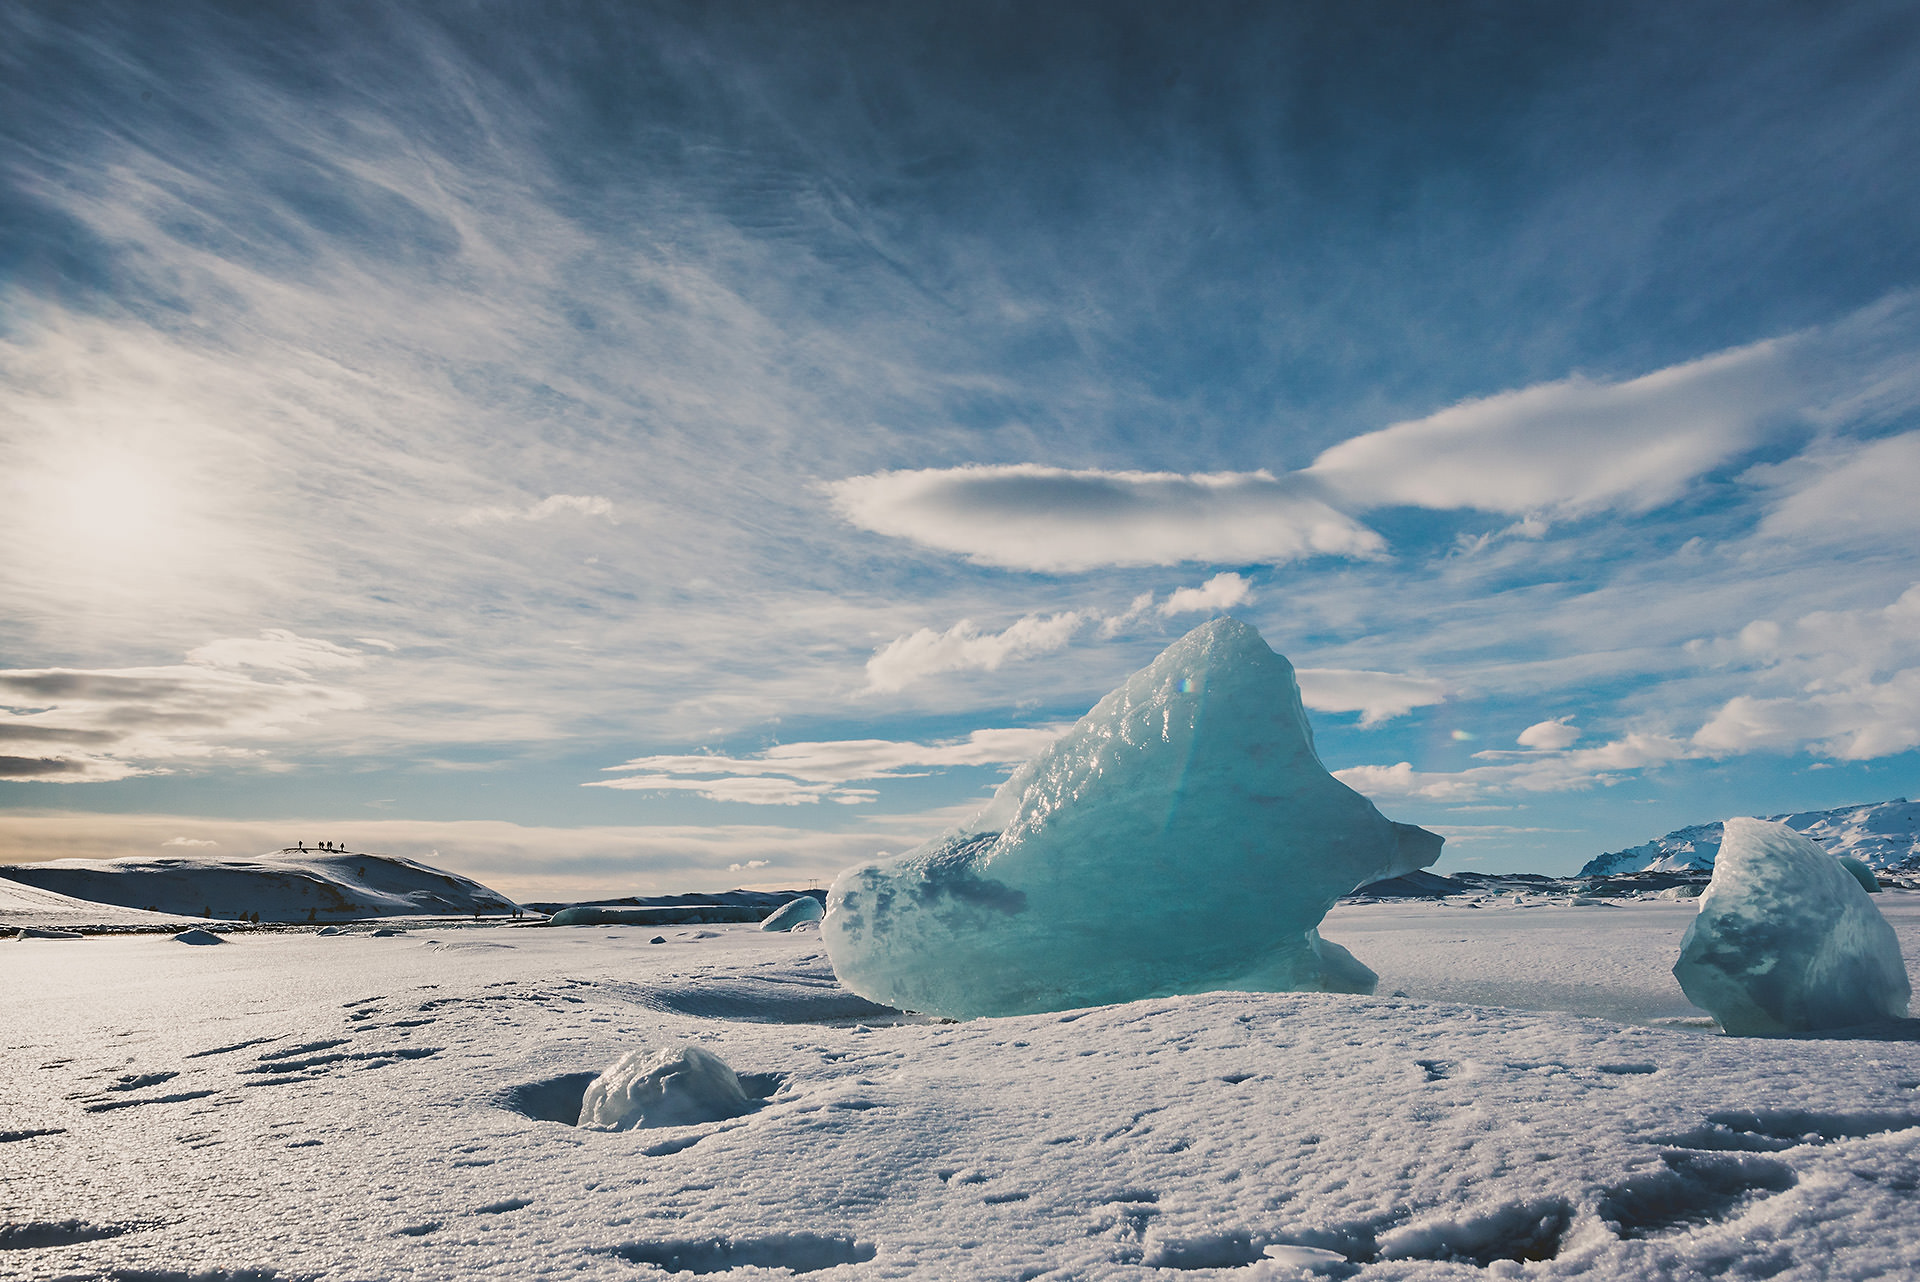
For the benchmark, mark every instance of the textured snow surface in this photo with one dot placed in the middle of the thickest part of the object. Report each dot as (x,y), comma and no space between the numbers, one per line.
(290,886)
(1883,835)
(1192,794)
(365,1108)
(1787,941)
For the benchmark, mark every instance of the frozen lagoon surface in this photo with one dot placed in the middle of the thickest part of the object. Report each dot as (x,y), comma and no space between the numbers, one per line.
(362,1107)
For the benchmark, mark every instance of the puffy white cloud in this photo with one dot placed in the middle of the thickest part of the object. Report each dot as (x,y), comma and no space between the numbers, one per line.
(803,773)
(70,725)
(1028,517)
(1221,592)
(1550,735)
(1573,446)
(964,647)
(1845,683)
(1377,696)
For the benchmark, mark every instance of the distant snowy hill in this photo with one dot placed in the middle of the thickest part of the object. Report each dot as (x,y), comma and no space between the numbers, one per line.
(289,886)
(1885,834)
(36,909)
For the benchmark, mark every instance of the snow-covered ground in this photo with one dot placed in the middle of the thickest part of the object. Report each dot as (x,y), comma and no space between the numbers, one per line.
(357,1107)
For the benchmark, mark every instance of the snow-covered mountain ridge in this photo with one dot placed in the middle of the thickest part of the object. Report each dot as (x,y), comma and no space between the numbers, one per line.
(1883,834)
(291,885)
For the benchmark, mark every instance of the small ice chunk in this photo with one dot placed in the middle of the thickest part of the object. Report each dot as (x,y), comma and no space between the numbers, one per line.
(1786,940)
(792,913)
(1861,873)
(1183,837)
(46,932)
(674,1087)
(197,936)
(1311,1259)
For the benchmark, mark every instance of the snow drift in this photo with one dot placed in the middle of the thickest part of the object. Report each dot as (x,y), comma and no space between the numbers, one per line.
(1183,837)
(289,886)
(1787,941)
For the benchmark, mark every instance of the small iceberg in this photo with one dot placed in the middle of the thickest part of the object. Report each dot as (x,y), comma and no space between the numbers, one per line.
(793,913)
(1182,837)
(1787,940)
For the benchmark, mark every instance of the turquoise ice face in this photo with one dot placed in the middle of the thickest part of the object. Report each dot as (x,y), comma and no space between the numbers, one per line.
(1182,837)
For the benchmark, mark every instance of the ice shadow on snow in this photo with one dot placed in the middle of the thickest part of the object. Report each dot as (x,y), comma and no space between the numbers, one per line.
(1770,1131)
(1528,1232)
(766,999)
(35,1235)
(800,1252)
(1695,1188)
(558,1099)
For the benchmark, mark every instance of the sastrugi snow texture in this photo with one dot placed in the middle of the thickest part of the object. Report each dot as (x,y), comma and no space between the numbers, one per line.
(1183,837)
(1786,941)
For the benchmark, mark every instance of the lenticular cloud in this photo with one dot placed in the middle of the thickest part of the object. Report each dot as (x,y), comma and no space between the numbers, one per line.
(1027,517)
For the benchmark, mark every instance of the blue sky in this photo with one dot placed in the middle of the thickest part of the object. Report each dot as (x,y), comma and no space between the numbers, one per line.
(609,448)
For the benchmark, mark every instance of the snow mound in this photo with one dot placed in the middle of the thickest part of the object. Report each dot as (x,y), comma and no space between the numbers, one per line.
(679,1087)
(197,936)
(1885,834)
(795,911)
(1787,941)
(1183,837)
(293,885)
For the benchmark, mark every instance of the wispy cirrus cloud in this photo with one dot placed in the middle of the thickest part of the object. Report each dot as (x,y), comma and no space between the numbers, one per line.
(804,773)
(546,509)
(67,725)
(1544,771)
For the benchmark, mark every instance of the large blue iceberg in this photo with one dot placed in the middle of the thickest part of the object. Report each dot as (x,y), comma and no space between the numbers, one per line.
(1183,837)
(1787,941)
